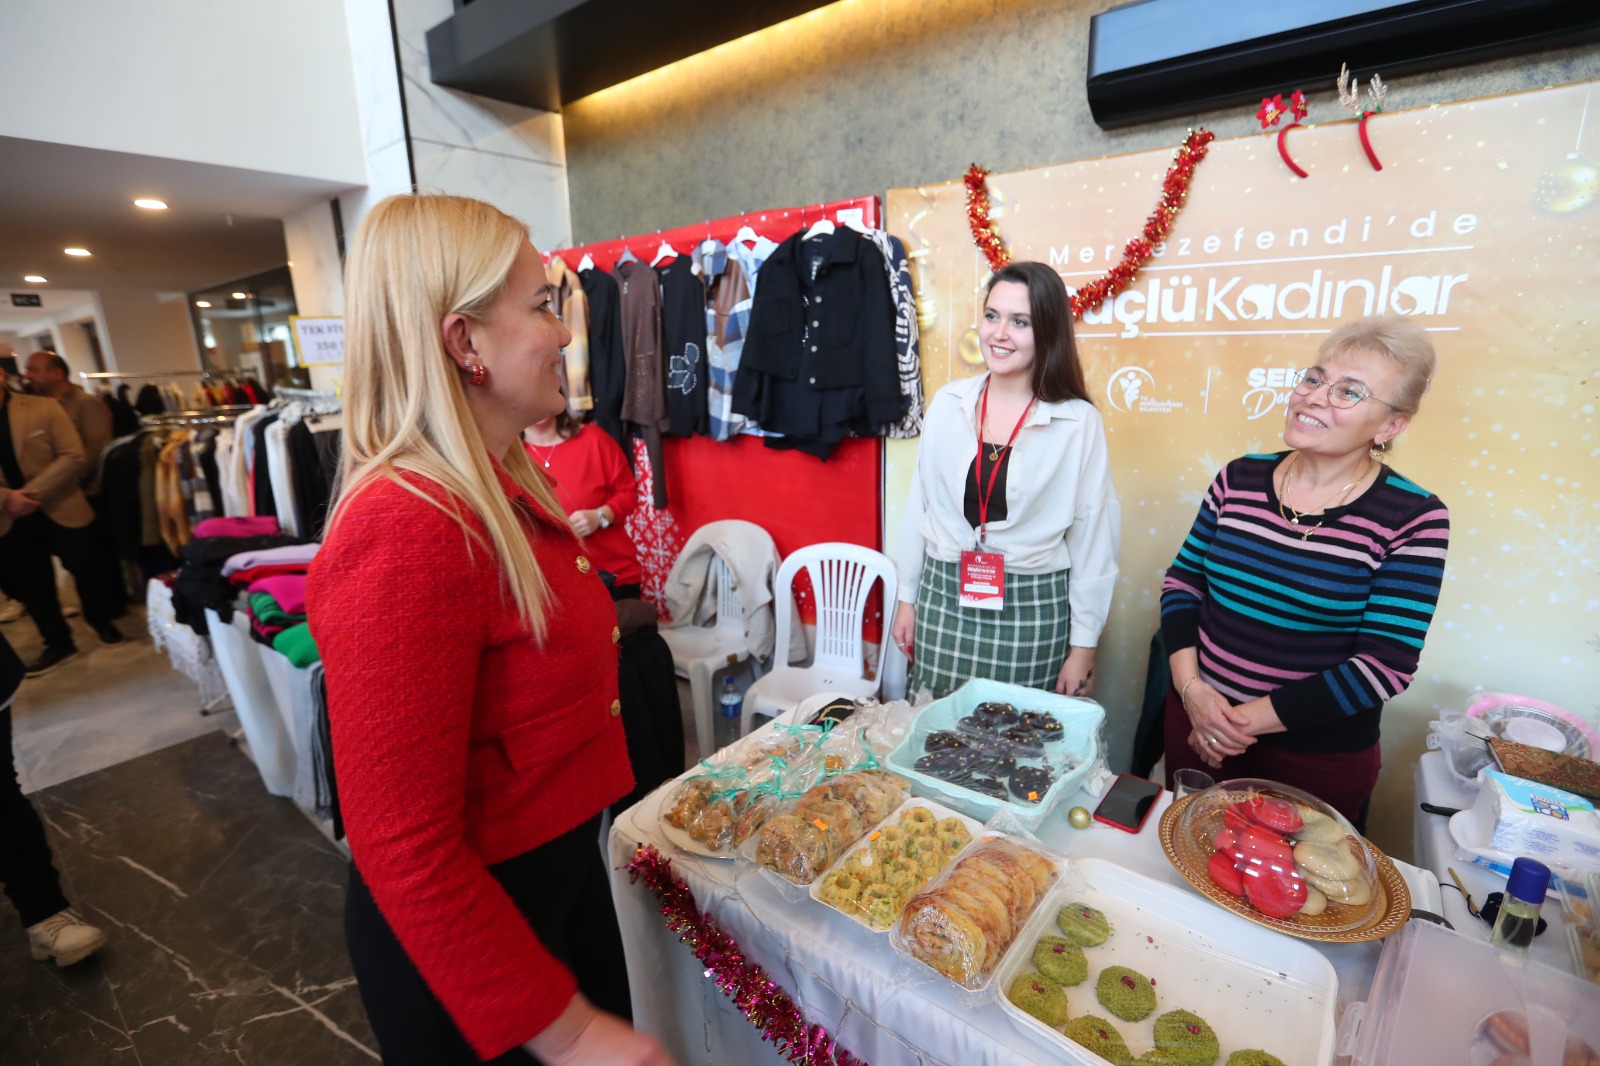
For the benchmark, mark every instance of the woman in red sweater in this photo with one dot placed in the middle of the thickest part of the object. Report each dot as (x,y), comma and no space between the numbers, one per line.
(470,654)
(596,487)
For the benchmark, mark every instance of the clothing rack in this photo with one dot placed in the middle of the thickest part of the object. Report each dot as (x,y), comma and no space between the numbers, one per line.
(209,416)
(104,375)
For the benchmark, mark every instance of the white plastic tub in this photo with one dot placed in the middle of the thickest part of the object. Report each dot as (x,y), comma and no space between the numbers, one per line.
(1254,987)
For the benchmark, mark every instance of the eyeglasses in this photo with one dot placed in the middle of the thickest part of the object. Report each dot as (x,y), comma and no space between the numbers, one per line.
(1345,393)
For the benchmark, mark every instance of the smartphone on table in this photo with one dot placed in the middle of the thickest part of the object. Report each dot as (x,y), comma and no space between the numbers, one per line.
(1128,802)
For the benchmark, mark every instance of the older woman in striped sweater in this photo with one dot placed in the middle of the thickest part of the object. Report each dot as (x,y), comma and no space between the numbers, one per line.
(1299,601)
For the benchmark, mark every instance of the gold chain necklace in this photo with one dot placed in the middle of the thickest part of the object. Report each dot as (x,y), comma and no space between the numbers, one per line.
(1292,516)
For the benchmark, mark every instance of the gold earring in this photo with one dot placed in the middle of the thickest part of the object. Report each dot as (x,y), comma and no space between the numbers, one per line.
(1379,449)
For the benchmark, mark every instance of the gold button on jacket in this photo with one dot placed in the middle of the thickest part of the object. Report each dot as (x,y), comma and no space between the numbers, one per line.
(583,565)
(616,708)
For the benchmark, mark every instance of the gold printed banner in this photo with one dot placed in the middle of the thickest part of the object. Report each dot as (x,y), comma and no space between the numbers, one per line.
(1483,225)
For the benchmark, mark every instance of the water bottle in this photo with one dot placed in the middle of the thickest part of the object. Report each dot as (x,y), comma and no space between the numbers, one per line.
(732,704)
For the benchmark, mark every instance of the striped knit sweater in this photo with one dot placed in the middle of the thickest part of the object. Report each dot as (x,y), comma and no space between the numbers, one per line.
(1331,626)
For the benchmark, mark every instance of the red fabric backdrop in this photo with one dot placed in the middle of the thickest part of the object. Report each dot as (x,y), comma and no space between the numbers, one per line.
(800,500)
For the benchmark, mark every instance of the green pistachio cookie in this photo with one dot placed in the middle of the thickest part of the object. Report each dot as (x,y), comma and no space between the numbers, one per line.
(1253,1057)
(1084,924)
(1041,997)
(1126,993)
(1061,960)
(1100,1037)
(1187,1038)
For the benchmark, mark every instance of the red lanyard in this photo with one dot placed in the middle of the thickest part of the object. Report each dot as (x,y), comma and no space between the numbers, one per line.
(984,494)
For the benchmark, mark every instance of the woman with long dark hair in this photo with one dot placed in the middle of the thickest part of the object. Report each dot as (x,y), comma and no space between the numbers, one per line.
(1008,555)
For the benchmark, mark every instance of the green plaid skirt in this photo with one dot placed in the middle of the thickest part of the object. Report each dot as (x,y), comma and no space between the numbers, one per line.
(1025,644)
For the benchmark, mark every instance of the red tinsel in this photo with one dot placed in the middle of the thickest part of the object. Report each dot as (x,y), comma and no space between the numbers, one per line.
(1135,254)
(758,997)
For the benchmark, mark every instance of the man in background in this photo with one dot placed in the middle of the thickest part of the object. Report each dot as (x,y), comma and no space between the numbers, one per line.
(42,512)
(48,375)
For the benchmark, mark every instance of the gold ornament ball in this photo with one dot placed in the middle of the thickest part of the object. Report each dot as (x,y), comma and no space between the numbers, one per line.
(969,350)
(1079,817)
(1569,186)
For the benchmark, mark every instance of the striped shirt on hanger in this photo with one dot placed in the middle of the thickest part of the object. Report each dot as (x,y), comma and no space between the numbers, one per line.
(1330,625)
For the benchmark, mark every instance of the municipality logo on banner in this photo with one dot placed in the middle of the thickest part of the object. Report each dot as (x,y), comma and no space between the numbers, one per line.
(1129,390)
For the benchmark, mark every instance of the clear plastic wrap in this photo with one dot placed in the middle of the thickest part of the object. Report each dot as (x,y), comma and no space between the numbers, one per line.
(802,842)
(962,923)
(875,879)
(990,746)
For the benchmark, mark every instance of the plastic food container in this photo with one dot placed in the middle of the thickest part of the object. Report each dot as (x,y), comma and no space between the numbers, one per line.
(1067,759)
(1275,853)
(1253,988)
(1580,900)
(954,942)
(1440,997)
(875,879)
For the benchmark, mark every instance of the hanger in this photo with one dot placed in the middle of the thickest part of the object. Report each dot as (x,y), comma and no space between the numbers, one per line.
(627,255)
(665,251)
(821,227)
(746,234)
(586,263)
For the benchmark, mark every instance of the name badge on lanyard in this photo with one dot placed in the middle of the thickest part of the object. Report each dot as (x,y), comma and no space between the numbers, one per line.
(982,580)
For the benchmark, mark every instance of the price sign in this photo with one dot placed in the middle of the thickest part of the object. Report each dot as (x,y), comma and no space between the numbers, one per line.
(318,339)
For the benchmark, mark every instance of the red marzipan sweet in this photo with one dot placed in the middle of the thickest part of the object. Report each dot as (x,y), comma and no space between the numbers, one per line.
(1222,871)
(1276,893)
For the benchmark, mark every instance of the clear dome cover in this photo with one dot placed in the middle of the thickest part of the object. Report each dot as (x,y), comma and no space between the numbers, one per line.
(1278,856)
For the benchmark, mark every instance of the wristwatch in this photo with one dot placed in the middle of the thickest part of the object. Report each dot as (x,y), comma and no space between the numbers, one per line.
(605,523)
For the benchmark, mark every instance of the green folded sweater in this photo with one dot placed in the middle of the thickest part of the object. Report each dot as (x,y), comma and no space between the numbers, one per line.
(268,613)
(296,645)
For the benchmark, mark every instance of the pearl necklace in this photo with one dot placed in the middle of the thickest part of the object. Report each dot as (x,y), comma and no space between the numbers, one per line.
(1292,516)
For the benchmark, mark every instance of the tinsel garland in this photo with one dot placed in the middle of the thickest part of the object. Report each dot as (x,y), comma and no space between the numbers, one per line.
(1135,254)
(759,998)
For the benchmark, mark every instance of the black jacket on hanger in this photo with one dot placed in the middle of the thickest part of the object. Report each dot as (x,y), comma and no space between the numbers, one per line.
(608,375)
(683,327)
(819,362)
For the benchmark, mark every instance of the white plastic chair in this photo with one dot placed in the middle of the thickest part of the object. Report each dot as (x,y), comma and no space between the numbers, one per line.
(698,652)
(842,576)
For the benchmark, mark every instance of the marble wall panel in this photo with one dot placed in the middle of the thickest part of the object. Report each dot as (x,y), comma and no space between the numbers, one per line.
(534,192)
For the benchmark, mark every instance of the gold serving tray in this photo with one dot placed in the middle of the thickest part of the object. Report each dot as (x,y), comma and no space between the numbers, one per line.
(1391,898)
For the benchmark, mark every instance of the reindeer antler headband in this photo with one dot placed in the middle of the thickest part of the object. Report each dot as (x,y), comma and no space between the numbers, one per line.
(1350,98)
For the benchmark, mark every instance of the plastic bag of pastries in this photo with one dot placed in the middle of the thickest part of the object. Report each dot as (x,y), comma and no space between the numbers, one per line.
(825,821)
(963,923)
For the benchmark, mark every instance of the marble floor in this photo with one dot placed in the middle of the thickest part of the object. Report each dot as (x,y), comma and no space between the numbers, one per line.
(223,906)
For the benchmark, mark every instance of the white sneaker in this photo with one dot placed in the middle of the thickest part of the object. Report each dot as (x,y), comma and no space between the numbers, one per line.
(10,610)
(66,937)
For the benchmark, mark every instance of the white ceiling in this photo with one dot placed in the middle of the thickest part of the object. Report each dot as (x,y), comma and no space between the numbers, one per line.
(53,301)
(55,196)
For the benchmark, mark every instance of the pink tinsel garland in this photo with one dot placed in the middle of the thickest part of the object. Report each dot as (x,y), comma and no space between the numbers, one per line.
(758,997)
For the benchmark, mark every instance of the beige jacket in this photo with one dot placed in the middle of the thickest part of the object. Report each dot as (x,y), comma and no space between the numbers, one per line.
(50,456)
(92,419)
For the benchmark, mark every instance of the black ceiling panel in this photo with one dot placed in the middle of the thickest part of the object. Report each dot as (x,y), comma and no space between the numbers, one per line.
(545,53)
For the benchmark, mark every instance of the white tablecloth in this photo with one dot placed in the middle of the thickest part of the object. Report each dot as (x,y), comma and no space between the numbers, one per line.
(1435,850)
(845,977)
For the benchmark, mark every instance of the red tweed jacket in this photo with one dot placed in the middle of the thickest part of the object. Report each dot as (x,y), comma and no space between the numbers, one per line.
(459,742)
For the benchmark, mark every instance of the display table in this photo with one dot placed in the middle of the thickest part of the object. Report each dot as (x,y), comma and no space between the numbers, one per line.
(844,977)
(1435,850)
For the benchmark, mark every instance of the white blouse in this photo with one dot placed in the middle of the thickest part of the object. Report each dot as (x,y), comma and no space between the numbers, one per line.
(1061,507)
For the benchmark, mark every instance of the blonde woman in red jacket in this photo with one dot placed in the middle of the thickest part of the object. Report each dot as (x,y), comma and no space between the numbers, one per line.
(470,654)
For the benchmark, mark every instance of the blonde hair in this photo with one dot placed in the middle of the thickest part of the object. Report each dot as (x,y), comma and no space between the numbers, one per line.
(1396,338)
(415,260)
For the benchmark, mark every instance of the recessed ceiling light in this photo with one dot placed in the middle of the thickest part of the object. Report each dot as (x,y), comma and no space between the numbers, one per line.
(37,279)
(241,296)
(76,251)
(150,205)
(202,303)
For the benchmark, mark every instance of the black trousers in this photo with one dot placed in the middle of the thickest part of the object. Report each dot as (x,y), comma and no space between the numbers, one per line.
(27,575)
(27,871)
(651,716)
(562,891)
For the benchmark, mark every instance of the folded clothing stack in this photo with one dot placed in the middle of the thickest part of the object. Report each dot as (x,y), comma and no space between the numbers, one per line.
(274,581)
